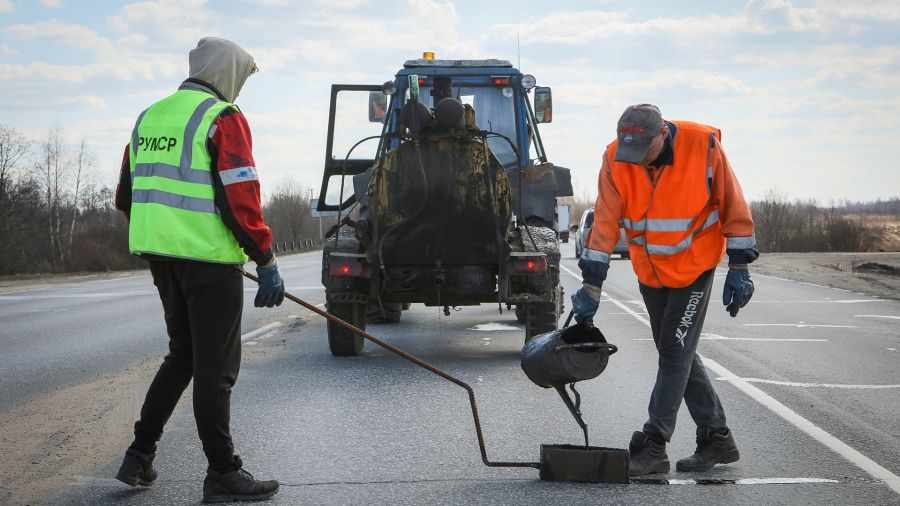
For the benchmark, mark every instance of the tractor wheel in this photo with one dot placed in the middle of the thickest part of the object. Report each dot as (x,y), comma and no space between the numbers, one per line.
(543,317)
(342,342)
(521,313)
(392,313)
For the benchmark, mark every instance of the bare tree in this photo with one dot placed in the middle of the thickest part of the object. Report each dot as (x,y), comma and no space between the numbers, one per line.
(51,170)
(13,147)
(83,161)
(287,212)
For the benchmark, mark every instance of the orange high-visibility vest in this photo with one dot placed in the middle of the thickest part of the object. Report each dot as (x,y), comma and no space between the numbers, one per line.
(673,227)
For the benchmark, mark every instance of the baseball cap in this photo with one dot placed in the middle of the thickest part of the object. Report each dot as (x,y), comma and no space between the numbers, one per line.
(637,127)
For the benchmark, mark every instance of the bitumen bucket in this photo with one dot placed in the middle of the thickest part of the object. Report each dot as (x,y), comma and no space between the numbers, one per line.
(564,357)
(584,464)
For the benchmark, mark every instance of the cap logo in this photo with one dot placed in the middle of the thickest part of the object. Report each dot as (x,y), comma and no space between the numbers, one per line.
(632,130)
(627,138)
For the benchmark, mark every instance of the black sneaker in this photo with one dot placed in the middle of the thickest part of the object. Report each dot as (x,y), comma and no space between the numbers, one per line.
(137,469)
(237,485)
(647,456)
(712,449)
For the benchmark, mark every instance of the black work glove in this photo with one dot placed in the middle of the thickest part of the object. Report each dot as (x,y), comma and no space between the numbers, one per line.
(738,288)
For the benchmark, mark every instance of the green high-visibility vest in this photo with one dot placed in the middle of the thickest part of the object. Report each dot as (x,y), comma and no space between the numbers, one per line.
(173,213)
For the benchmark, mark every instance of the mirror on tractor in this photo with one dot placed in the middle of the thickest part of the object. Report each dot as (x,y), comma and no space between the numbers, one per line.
(543,104)
(377,106)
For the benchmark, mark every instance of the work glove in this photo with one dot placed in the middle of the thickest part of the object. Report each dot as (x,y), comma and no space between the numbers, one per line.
(738,288)
(271,286)
(585,303)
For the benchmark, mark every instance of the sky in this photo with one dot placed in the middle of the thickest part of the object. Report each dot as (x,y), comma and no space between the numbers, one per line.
(806,93)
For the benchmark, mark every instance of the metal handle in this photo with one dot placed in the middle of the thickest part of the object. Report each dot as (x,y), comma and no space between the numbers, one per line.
(610,348)
(569,319)
(419,362)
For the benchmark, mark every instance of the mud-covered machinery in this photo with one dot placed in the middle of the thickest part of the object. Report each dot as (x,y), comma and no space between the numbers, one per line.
(455,204)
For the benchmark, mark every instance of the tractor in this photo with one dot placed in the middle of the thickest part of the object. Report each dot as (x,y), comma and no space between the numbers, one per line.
(444,197)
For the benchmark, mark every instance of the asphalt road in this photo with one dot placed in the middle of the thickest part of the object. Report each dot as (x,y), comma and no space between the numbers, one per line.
(808,376)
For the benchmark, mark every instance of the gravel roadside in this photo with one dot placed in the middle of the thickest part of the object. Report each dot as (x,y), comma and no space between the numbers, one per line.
(875,274)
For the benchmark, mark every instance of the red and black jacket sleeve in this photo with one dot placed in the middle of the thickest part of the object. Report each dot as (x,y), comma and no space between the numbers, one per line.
(123,189)
(237,194)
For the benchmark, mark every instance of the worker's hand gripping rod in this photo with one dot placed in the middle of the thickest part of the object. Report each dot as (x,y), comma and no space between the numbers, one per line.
(419,362)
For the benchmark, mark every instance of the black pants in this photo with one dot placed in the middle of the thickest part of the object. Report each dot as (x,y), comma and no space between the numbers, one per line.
(676,319)
(202,304)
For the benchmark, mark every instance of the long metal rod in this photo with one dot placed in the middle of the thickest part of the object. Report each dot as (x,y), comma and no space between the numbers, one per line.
(419,362)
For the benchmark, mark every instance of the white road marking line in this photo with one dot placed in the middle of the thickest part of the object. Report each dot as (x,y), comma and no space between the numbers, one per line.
(716,337)
(756,275)
(494,327)
(815,385)
(800,325)
(779,481)
(262,330)
(98,295)
(740,481)
(865,463)
(891,349)
(877,316)
(856,458)
(825,301)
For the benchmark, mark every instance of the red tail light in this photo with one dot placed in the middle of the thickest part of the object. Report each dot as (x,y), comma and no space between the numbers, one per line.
(421,81)
(345,268)
(500,80)
(529,265)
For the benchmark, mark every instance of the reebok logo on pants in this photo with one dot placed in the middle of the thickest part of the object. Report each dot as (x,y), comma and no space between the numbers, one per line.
(687,319)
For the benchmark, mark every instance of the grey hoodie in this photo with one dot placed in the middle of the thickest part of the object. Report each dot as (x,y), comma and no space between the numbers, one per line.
(223,64)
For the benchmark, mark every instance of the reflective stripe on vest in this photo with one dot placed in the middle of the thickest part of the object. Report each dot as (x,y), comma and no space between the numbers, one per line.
(661,249)
(672,228)
(173,197)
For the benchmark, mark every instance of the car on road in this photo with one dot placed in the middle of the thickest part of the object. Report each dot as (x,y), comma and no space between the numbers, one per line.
(587,219)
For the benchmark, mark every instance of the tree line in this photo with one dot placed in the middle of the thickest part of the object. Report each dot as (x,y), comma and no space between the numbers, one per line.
(57,213)
(783,225)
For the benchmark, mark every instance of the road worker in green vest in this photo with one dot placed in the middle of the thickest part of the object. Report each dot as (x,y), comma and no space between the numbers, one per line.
(190,191)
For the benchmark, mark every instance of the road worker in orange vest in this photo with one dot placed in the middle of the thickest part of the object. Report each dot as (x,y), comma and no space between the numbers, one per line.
(669,185)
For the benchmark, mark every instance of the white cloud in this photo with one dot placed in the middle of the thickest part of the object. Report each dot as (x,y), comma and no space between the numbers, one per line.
(336,4)
(54,4)
(69,34)
(78,101)
(7,6)
(5,50)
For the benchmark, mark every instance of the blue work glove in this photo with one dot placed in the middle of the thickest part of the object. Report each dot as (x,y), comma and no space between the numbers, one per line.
(738,288)
(271,287)
(585,303)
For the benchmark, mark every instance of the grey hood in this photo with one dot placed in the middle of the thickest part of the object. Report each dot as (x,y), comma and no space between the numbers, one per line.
(223,64)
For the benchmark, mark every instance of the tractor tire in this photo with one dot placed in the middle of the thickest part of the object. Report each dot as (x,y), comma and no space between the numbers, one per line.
(392,313)
(342,342)
(543,317)
(521,313)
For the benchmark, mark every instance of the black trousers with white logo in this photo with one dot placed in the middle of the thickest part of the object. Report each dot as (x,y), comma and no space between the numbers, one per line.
(202,304)
(676,319)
